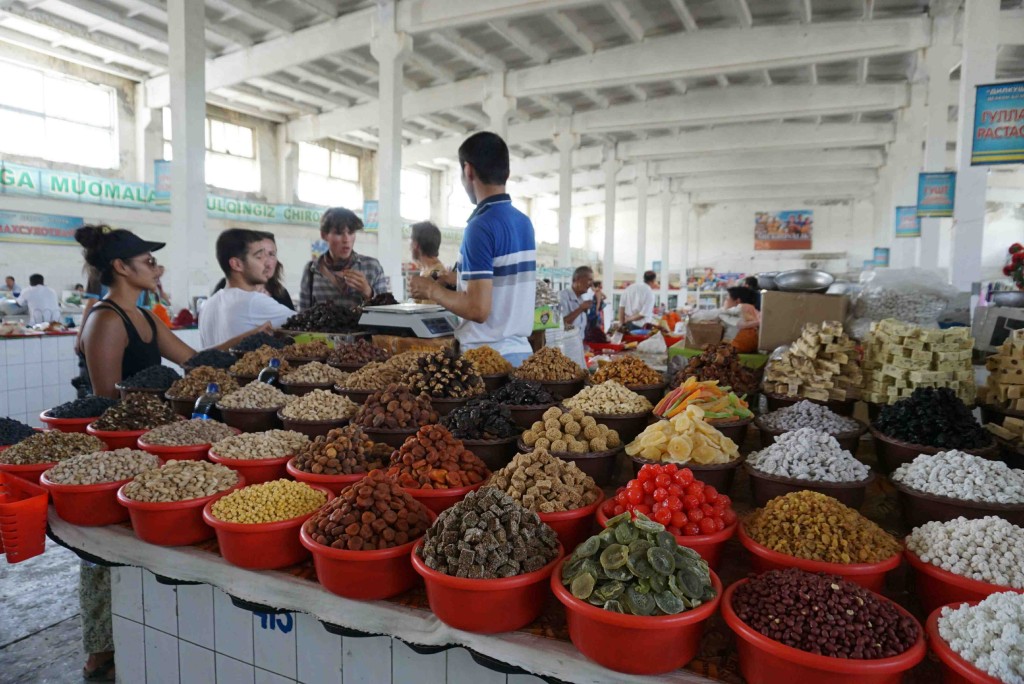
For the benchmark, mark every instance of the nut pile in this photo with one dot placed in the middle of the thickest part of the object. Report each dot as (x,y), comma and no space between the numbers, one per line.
(254,342)
(87,407)
(268,502)
(810,525)
(481,419)
(408,361)
(342,451)
(102,466)
(988,635)
(807,414)
(608,398)
(825,615)
(549,364)
(628,370)
(372,514)
(254,361)
(136,412)
(326,316)
(254,446)
(522,393)
(444,375)
(313,373)
(372,376)
(989,549)
(433,459)
(488,535)
(720,362)
(684,438)
(154,377)
(957,475)
(570,432)
(358,352)
(13,431)
(193,385)
(933,417)
(487,361)
(636,567)
(180,481)
(320,405)
(256,395)
(822,364)
(50,446)
(808,454)
(314,349)
(545,484)
(210,358)
(395,408)
(188,433)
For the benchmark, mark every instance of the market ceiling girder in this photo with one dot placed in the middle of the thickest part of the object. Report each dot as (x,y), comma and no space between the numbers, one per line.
(797,193)
(783,177)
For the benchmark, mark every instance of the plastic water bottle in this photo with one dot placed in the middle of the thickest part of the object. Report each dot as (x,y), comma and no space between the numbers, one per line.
(271,373)
(206,404)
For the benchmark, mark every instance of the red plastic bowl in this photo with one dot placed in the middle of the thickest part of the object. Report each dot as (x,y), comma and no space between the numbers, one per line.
(438,500)
(65,424)
(194,452)
(486,606)
(254,470)
(573,527)
(363,575)
(175,523)
(29,472)
(117,440)
(335,483)
(261,546)
(709,546)
(937,587)
(87,505)
(955,670)
(766,661)
(632,643)
(868,575)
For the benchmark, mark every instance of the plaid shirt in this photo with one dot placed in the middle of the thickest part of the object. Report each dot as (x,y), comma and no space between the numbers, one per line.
(316,288)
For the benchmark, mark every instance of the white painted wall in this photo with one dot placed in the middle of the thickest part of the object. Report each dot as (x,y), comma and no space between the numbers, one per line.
(1004,225)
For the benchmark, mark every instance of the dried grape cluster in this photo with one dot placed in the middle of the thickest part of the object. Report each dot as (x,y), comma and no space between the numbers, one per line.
(211,358)
(13,431)
(522,393)
(636,567)
(488,535)
(154,377)
(395,407)
(933,417)
(487,361)
(87,407)
(254,342)
(481,419)
(325,317)
(445,375)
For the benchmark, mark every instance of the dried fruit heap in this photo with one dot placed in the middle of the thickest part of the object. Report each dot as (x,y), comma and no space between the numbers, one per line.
(342,451)
(445,375)
(720,362)
(433,459)
(395,408)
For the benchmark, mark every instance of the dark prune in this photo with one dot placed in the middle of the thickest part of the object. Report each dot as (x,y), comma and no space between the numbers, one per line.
(522,393)
(933,417)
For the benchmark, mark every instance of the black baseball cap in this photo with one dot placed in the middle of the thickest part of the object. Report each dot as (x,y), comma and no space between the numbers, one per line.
(124,244)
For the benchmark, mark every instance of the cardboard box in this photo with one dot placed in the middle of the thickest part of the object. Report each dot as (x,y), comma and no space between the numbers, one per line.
(700,334)
(993,325)
(784,314)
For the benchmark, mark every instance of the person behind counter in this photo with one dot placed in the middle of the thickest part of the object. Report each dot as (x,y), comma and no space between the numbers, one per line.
(743,318)
(239,307)
(497,269)
(340,274)
(637,308)
(41,301)
(425,245)
(12,286)
(750,282)
(274,273)
(574,305)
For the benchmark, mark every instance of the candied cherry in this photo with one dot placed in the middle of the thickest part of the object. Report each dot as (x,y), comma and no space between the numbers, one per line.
(619,509)
(690,502)
(649,485)
(664,516)
(729,517)
(710,494)
(660,494)
(684,476)
(695,488)
(692,529)
(679,519)
(695,516)
(670,468)
(707,526)
(635,495)
(643,508)
(674,503)
(663,480)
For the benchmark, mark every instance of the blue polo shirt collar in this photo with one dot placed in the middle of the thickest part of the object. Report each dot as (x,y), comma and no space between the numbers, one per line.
(486,202)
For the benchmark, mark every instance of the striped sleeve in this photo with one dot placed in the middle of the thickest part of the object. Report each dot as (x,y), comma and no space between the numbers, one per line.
(477,254)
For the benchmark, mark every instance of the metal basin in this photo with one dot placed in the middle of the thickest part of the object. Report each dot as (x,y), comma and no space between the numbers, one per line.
(804,280)
(766,281)
(1013,299)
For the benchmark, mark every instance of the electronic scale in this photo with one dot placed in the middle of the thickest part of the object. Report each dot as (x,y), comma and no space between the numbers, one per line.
(423,320)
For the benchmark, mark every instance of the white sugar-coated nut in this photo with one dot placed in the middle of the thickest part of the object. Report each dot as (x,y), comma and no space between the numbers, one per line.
(962,476)
(320,405)
(103,466)
(989,549)
(314,373)
(608,398)
(256,395)
(807,454)
(804,414)
(989,635)
(261,445)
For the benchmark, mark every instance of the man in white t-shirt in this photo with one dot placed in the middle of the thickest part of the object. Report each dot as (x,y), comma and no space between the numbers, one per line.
(637,308)
(41,301)
(239,307)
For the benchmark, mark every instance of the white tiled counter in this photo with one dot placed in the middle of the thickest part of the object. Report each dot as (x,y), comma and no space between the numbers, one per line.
(36,373)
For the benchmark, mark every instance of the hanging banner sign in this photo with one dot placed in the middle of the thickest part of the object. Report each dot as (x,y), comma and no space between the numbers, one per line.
(935,194)
(998,124)
(783,229)
(371,215)
(908,225)
(162,181)
(28,227)
(881,256)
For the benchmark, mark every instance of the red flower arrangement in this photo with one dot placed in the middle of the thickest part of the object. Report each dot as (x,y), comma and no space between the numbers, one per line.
(1014,267)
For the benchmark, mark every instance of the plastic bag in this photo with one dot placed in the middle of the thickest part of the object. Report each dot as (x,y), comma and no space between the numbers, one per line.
(655,344)
(912,295)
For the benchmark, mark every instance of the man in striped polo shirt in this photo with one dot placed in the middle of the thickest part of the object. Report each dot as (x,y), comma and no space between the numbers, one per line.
(496,276)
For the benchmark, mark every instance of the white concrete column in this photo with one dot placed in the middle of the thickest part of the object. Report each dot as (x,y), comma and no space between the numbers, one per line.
(498,106)
(390,48)
(566,141)
(905,160)
(641,220)
(149,138)
(939,60)
(287,167)
(981,23)
(610,166)
(186,272)
(685,207)
(666,226)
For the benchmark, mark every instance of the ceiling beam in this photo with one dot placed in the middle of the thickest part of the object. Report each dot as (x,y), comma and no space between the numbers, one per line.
(625,20)
(69,53)
(324,7)
(213,28)
(767,178)
(430,15)
(520,41)
(268,20)
(799,193)
(572,32)
(709,52)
